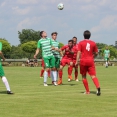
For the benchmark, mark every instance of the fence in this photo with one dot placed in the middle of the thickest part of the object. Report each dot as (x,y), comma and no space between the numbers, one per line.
(22,62)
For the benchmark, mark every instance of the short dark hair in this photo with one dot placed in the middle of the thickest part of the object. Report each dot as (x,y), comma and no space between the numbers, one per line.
(70,40)
(75,37)
(87,34)
(41,33)
(54,33)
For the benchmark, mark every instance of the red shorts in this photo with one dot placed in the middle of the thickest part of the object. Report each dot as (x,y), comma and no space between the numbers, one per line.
(74,62)
(65,61)
(90,68)
(42,63)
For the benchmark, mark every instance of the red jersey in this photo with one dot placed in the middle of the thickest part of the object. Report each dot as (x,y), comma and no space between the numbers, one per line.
(67,54)
(87,48)
(75,48)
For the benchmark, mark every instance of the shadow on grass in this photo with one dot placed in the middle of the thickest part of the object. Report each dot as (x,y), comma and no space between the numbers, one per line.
(60,85)
(70,84)
(3,92)
(91,92)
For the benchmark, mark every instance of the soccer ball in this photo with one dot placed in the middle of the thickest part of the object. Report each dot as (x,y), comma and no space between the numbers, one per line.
(60,6)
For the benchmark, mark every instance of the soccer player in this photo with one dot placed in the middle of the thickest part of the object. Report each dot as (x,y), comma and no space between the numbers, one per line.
(42,69)
(87,49)
(2,75)
(45,45)
(75,48)
(106,56)
(56,52)
(66,59)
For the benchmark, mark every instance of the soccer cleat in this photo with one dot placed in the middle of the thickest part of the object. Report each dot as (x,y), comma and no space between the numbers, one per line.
(9,92)
(55,84)
(69,80)
(77,80)
(86,92)
(98,92)
(52,82)
(70,77)
(59,82)
(45,84)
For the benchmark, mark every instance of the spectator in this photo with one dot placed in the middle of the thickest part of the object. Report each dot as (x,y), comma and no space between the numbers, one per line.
(35,62)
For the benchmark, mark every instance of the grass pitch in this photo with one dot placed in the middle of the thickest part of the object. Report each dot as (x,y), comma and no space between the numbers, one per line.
(32,99)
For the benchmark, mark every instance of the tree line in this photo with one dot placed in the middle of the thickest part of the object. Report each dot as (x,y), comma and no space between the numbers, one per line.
(28,43)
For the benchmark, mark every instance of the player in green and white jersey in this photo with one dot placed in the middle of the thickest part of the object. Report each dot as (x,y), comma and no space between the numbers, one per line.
(2,75)
(106,56)
(45,45)
(56,52)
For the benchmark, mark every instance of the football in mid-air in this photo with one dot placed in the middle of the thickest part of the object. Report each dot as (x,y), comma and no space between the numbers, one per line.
(60,6)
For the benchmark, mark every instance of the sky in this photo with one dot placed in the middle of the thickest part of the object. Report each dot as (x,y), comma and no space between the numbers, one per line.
(98,16)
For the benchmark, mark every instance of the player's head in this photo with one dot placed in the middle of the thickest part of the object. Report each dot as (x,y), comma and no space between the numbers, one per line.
(70,43)
(87,34)
(43,34)
(74,40)
(106,47)
(54,35)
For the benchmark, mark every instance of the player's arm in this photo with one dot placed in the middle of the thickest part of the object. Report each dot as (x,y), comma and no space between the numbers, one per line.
(78,54)
(109,54)
(61,52)
(36,53)
(104,54)
(95,54)
(37,50)
(1,54)
(71,52)
(78,57)
(95,51)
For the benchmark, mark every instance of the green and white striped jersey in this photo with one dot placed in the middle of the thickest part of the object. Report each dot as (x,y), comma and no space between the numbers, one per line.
(56,45)
(106,53)
(45,45)
(0,50)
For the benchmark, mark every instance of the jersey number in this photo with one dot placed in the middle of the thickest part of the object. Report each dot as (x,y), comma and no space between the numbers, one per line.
(88,47)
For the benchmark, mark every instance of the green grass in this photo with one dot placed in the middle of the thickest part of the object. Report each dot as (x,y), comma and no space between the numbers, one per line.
(32,99)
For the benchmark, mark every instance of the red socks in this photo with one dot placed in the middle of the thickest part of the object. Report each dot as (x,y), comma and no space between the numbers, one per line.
(96,82)
(49,73)
(76,74)
(85,82)
(60,74)
(41,74)
(70,68)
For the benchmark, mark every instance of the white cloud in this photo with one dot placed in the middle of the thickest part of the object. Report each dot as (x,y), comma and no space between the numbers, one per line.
(89,7)
(19,11)
(3,4)
(107,23)
(78,15)
(27,1)
(29,22)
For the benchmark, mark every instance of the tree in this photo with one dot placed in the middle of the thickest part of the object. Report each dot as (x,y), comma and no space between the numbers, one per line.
(6,47)
(29,47)
(17,53)
(28,35)
(101,45)
(61,45)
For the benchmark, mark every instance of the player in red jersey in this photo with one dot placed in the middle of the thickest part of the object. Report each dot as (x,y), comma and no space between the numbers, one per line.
(67,59)
(75,48)
(87,50)
(42,69)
